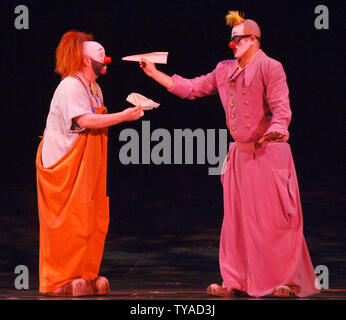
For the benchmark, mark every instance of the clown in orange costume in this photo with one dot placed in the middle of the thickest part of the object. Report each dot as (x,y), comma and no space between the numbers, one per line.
(71,165)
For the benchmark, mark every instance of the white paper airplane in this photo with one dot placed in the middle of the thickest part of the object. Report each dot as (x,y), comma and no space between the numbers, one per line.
(140,100)
(154,57)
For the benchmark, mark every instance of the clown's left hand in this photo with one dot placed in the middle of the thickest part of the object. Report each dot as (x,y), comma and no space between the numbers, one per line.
(271,136)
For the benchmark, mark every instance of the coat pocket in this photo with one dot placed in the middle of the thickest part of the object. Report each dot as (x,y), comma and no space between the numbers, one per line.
(286,200)
(224,169)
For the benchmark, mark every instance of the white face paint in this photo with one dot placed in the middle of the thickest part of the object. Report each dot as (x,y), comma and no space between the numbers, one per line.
(242,46)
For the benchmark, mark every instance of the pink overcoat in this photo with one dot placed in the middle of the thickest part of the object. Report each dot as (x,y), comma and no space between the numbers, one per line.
(262,244)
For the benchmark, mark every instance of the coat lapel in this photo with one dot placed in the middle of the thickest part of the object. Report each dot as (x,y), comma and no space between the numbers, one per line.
(251,68)
(232,71)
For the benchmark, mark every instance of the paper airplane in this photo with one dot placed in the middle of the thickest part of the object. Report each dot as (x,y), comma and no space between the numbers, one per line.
(140,100)
(154,57)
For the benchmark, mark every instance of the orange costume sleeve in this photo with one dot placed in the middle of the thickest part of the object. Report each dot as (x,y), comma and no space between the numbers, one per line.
(73,210)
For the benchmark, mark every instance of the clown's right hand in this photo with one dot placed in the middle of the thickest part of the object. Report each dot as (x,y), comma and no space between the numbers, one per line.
(133,113)
(148,67)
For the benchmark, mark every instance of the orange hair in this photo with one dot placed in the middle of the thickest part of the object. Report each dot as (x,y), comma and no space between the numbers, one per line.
(69,53)
(233,18)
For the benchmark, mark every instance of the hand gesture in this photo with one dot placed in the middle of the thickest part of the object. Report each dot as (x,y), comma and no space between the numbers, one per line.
(133,113)
(148,67)
(271,136)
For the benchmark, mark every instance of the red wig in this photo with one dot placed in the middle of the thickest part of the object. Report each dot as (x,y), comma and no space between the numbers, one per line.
(69,53)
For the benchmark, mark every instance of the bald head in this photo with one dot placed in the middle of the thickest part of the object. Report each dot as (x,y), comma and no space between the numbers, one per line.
(251,27)
(248,27)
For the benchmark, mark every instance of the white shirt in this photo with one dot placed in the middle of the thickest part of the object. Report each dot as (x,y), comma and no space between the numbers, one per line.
(69,101)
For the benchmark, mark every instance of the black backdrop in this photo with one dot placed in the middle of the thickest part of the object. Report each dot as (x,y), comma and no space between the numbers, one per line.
(149,199)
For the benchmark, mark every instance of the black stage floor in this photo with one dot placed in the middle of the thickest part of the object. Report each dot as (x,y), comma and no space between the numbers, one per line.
(166,247)
(162,294)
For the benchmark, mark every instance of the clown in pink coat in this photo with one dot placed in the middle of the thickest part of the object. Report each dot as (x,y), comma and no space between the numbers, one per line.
(262,246)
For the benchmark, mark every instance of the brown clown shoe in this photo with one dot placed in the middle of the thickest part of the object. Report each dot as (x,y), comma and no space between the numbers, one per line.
(284,291)
(100,286)
(220,291)
(76,288)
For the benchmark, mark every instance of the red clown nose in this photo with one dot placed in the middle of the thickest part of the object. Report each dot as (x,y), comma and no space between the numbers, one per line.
(107,60)
(231,45)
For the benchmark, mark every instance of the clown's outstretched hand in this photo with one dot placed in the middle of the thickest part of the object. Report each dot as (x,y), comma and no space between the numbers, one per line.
(150,69)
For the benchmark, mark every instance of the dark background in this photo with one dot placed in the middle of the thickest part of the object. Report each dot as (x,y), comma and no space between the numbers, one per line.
(149,201)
